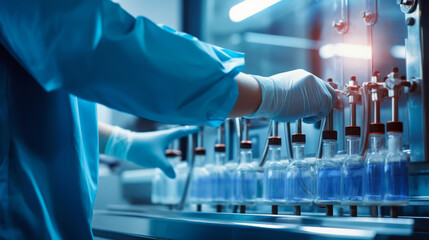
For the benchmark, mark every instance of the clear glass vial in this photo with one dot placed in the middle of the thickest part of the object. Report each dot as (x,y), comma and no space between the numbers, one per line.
(374,165)
(396,166)
(198,192)
(328,171)
(353,168)
(299,179)
(274,172)
(245,178)
(219,177)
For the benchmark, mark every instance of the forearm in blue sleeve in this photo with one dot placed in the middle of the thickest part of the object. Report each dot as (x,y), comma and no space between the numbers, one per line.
(97,51)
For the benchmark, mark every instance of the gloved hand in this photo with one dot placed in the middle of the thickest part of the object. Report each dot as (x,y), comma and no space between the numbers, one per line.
(146,149)
(294,95)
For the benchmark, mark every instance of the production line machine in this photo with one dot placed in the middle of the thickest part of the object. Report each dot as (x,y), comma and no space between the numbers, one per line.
(361,173)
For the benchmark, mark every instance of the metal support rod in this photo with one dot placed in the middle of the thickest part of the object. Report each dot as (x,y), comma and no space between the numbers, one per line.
(220,134)
(353,211)
(395,109)
(376,112)
(200,137)
(275,128)
(353,114)
(246,129)
(298,210)
(299,126)
(191,162)
(330,121)
(365,120)
(373,210)
(329,210)
(242,208)
(275,209)
(394,212)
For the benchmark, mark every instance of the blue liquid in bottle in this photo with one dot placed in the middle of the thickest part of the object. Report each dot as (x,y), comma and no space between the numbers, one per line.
(274,173)
(220,179)
(374,165)
(352,172)
(396,170)
(299,183)
(245,177)
(328,175)
(199,187)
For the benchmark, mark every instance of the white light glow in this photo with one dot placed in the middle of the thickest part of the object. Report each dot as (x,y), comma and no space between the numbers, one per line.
(249,8)
(345,50)
(340,231)
(398,51)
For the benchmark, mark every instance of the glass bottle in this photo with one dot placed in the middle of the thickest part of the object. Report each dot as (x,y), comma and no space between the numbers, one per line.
(170,184)
(156,187)
(274,172)
(374,165)
(396,166)
(219,177)
(329,171)
(299,180)
(198,192)
(245,179)
(353,168)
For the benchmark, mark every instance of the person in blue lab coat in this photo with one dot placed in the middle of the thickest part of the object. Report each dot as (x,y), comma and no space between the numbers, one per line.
(57,58)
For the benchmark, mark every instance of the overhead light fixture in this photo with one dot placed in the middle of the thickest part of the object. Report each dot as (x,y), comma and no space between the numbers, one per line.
(345,50)
(248,8)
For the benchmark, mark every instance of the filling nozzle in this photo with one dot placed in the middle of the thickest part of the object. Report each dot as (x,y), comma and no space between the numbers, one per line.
(394,84)
(352,91)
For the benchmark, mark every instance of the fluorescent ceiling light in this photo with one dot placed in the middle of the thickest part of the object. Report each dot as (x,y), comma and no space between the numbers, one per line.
(249,8)
(345,50)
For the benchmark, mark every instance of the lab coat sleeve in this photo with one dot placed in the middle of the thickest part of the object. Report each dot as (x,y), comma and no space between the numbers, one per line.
(97,51)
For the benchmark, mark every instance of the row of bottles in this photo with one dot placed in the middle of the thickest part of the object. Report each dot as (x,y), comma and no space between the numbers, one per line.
(334,179)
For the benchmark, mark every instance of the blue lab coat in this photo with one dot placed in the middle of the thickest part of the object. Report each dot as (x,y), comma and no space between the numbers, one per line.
(57,58)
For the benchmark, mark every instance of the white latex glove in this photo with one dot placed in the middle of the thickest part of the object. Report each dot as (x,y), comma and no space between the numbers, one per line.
(294,95)
(146,149)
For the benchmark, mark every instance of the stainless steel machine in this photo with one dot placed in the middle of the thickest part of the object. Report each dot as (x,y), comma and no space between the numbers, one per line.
(373,53)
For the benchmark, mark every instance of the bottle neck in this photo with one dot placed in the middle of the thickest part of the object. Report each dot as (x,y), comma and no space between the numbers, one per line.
(394,142)
(352,145)
(199,160)
(274,153)
(298,151)
(246,156)
(376,142)
(329,148)
(220,158)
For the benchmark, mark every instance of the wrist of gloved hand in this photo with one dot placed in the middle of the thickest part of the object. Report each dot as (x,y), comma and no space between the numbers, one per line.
(294,95)
(119,143)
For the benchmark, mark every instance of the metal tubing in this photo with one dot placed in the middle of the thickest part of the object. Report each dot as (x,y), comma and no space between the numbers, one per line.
(288,138)
(264,154)
(299,126)
(366,109)
(353,114)
(246,129)
(376,112)
(319,144)
(395,109)
(199,207)
(218,208)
